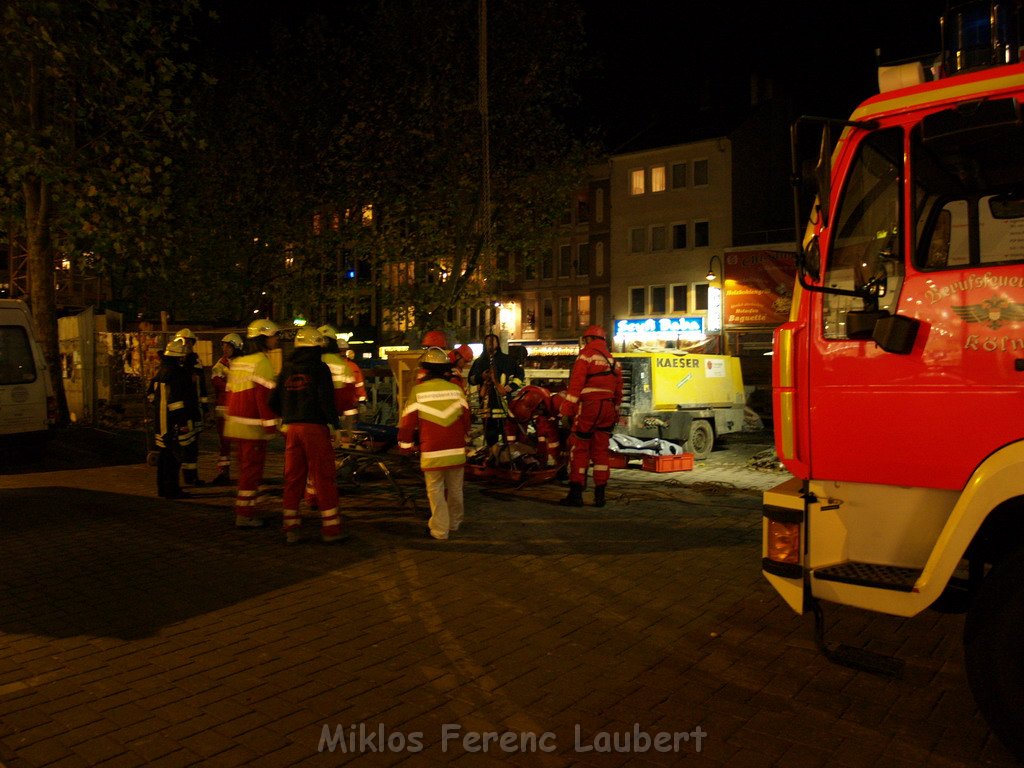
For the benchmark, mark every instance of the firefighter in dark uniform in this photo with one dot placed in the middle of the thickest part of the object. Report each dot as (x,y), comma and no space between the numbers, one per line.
(169,390)
(497,377)
(198,405)
(304,398)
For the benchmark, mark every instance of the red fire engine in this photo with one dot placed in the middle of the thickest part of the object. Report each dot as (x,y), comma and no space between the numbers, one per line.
(898,382)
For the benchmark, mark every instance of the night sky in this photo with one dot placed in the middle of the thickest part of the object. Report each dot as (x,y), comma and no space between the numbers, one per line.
(656,62)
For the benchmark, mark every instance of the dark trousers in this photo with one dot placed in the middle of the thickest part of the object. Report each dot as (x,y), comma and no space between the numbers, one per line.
(167,468)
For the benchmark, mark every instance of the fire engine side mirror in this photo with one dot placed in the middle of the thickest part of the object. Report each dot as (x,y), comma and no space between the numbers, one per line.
(896,334)
(860,323)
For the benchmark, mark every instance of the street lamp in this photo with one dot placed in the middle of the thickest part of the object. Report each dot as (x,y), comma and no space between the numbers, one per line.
(711,276)
(716,301)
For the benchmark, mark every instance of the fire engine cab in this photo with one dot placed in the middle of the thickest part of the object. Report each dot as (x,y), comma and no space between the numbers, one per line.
(898,381)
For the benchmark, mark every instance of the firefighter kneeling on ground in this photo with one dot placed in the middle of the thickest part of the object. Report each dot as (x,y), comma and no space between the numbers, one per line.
(592,403)
(536,405)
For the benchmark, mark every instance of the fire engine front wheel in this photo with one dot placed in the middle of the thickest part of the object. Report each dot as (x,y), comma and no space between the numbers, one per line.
(993,654)
(700,439)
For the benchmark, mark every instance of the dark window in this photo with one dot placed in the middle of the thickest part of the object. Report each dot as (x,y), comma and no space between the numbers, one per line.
(583,259)
(678,236)
(700,297)
(658,299)
(637,301)
(678,175)
(679,303)
(701,234)
(564,260)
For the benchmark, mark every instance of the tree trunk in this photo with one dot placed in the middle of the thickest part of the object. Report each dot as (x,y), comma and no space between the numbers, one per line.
(40,280)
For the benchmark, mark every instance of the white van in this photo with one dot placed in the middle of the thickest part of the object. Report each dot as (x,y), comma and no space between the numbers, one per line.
(28,408)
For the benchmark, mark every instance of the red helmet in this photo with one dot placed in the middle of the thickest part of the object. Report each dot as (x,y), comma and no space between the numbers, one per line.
(528,402)
(594,331)
(462,352)
(434,339)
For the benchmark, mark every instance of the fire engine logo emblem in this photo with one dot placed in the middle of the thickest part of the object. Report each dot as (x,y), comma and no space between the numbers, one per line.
(994,312)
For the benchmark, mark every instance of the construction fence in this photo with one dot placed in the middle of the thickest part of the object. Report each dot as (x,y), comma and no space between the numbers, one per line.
(106,370)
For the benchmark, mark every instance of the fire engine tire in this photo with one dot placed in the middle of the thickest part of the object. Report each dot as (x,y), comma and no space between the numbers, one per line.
(993,655)
(700,439)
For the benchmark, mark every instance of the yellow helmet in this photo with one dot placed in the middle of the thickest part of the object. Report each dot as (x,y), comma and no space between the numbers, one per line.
(308,337)
(261,328)
(328,330)
(176,347)
(233,339)
(435,356)
(184,333)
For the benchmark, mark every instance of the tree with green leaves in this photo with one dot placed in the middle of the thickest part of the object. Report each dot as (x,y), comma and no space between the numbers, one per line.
(410,146)
(91,121)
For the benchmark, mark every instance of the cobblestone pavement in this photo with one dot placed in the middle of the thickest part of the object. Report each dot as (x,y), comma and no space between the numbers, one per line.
(136,631)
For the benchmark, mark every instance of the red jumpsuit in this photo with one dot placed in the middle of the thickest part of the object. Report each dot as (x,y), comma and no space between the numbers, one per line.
(535,405)
(250,423)
(592,401)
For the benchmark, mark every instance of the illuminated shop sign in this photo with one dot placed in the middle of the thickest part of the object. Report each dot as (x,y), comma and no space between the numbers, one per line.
(663,328)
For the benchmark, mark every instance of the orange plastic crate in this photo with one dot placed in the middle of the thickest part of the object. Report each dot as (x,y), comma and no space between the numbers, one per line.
(617,461)
(677,463)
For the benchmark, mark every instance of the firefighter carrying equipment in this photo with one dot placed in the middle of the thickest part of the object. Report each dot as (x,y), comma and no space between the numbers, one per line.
(261,328)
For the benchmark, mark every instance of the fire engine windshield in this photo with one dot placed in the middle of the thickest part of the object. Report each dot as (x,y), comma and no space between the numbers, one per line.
(865,254)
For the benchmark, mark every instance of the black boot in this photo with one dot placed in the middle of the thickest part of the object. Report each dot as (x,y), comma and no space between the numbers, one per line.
(575,497)
(599,495)
(223,478)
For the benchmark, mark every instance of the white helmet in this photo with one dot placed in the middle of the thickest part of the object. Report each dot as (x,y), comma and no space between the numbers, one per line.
(261,328)
(435,356)
(233,339)
(308,337)
(176,347)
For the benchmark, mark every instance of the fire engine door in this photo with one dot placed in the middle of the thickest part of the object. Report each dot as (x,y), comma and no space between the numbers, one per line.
(941,244)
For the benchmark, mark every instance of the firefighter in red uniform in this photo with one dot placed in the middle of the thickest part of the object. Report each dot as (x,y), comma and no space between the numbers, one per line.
(357,373)
(250,421)
(460,357)
(231,347)
(592,402)
(347,382)
(304,397)
(431,339)
(535,405)
(436,419)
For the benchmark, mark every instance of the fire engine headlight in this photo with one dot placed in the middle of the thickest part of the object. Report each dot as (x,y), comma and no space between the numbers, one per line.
(783,542)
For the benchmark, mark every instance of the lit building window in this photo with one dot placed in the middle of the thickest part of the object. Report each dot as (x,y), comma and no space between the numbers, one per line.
(636,182)
(367,215)
(658,178)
